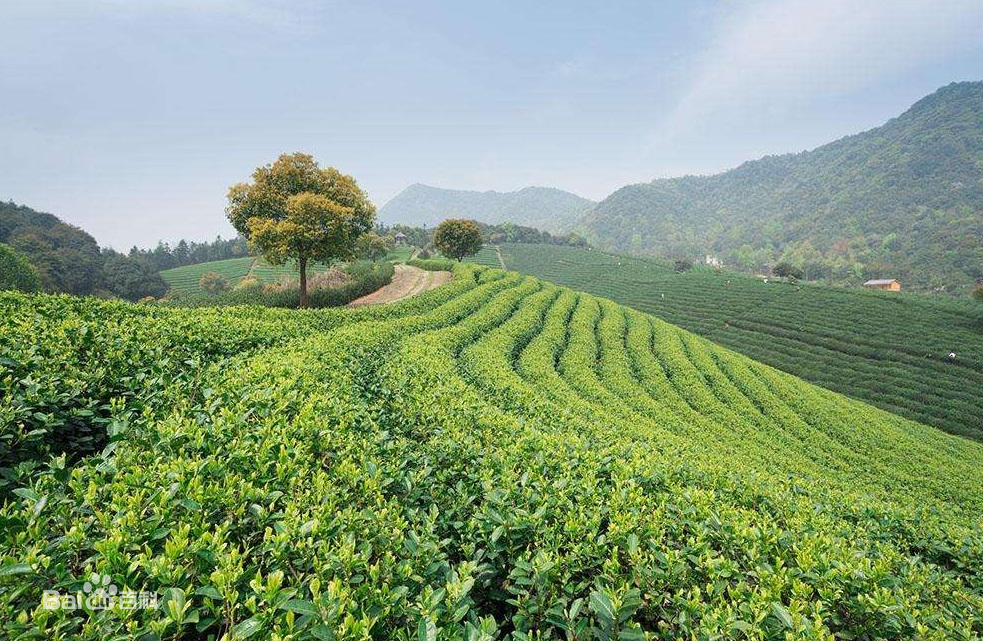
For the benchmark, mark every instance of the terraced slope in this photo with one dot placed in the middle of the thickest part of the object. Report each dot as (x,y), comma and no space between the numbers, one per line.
(497,458)
(186,279)
(882,348)
(486,256)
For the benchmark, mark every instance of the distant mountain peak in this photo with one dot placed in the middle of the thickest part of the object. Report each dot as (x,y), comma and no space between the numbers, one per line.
(903,200)
(545,208)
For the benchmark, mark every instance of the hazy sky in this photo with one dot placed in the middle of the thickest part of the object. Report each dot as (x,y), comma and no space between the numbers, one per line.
(130,118)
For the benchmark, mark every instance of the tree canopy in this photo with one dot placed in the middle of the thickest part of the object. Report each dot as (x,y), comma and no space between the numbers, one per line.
(372,246)
(457,238)
(293,209)
(132,278)
(66,258)
(16,271)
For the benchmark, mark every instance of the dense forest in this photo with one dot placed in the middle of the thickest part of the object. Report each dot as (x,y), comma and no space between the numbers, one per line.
(67,259)
(552,210)
(185,252)
(904,200)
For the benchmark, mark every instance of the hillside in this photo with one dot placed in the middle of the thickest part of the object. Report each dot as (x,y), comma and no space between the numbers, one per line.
(499,457)
(904,200)
(884,348)
(186,279)
(67,258)
(551,210)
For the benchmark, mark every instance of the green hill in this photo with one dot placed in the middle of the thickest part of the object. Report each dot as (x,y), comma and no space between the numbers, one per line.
(498,458)
(66,257)
(884,348)
(186,279)
(551,210)
(904,200)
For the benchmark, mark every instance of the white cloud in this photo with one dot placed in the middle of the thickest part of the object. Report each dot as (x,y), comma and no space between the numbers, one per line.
(776,54)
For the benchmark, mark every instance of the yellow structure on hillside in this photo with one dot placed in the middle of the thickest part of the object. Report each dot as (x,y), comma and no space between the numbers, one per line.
(888,284)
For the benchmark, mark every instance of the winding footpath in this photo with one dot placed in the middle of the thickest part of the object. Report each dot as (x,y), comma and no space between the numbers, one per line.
(407,281)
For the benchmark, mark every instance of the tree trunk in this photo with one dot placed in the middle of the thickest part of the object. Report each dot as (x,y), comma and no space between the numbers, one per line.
(303,280)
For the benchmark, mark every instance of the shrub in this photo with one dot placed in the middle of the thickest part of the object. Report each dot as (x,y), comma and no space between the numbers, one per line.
(433,264)
(330,279)
(249,283)
(213,283)
(17,272)
(785,269)
(683,265)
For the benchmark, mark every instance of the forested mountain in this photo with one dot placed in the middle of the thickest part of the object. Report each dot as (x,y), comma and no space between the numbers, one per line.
(552,210)
(904,200)
(67,258)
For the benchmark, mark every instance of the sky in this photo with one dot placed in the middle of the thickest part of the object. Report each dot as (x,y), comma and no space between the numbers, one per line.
(131,118)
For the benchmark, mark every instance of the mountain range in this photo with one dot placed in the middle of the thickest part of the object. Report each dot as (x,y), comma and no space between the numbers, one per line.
(546,208)
(903,200)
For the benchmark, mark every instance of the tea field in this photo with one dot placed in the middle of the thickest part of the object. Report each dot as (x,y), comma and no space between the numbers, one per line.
(400,253)
(486,256)
(499,458)
(185,279)
(884,348)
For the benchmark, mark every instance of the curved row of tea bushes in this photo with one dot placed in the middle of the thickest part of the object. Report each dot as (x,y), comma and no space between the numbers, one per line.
(498,458)
(70,367)
(843,543)
(884,348)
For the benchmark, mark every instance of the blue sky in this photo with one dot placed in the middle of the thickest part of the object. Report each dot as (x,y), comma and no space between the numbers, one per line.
(130,118)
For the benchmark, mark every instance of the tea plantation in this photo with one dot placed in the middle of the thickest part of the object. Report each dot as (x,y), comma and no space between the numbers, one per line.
(884,348)
(185,279)
(499,458)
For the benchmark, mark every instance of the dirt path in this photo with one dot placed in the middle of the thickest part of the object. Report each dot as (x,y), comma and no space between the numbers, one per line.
(501,261)
(407,281)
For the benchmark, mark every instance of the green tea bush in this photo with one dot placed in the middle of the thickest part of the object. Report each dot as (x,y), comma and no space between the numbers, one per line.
(433,264)
(17,272)
(885,348)
(498,458)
